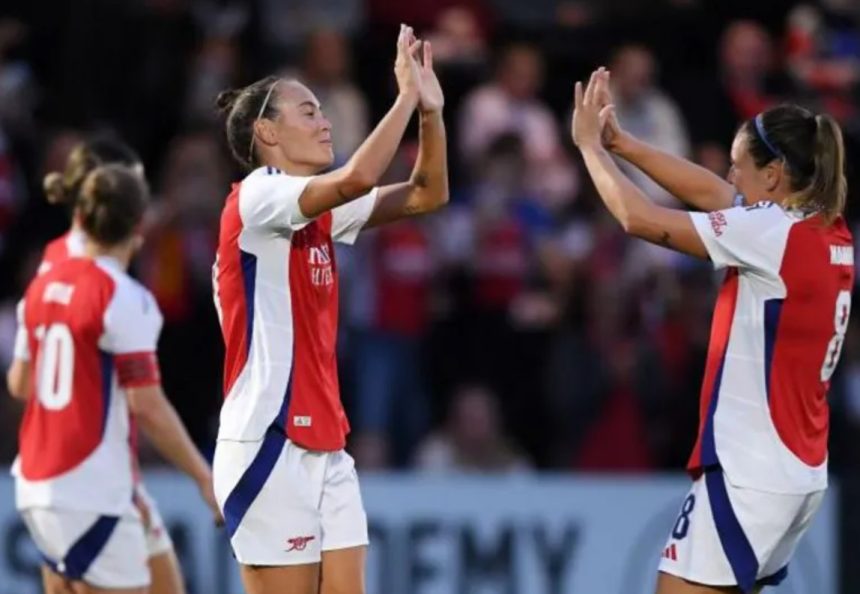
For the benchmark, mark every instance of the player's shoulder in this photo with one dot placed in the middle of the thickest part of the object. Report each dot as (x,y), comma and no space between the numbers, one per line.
(129,296)
(55,251)
(73,282)
(762,217)
(763,208)
(264,178)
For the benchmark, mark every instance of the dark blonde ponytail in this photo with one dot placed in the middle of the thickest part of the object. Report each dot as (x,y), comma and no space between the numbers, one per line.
(828,188)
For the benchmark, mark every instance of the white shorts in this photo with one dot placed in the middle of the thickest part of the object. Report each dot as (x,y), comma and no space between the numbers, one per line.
(283,504)
(729,536)
(157,537)
(102,551)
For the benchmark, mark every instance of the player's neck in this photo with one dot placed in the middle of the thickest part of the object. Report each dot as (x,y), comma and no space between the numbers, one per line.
(122,253)
(291,168)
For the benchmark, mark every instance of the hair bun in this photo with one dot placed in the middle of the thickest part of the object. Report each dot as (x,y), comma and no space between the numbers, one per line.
(54,189)
(227,99)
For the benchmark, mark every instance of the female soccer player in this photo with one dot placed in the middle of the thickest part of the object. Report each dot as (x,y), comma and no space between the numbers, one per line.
(760,463)
(63,188)
(91,333)
(287,488)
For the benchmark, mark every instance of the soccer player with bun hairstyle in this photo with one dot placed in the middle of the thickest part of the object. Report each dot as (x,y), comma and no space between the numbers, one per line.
(759,466)
(63,188)
(287,489)
(86,364)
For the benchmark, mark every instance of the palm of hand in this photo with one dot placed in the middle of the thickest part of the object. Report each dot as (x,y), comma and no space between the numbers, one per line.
(406,68)
(432,98)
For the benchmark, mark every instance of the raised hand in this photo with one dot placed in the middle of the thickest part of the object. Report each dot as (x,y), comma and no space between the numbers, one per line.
(611,135)
(588,114)
(407,70)
(432,99)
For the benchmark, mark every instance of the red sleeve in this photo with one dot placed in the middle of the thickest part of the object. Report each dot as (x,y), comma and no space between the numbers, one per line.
(136,370)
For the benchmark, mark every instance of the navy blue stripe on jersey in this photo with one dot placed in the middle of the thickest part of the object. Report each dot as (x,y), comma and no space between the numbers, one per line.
(249,279)
(735,543)
(252,480)
(81,555)
(772,311)
(106,360)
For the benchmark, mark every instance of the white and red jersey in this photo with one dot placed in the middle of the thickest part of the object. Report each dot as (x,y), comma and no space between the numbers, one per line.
(91,333)
(276,292)
(776,336)
(68,245)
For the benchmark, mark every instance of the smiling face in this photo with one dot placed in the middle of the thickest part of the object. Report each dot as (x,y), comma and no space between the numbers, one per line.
(300,132)
(754,183)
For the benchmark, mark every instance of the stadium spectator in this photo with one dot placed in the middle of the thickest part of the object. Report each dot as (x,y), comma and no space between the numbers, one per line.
(510,104)
(473,439)
(643,107)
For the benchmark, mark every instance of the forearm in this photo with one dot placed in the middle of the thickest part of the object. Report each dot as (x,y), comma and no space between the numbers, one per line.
(427,188)
(624,200)
(690,183)
(164,429)
(640,217)
(18,379)
(430,176)
(372,158)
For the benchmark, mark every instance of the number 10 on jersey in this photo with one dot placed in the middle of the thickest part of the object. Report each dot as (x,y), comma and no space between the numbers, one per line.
(55,366)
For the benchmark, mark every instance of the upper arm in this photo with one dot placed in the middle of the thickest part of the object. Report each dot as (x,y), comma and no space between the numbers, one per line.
(350,218)
(22,341)
(670,228)
(749,237)
(269,199)
(132,324)
(18,374)
(274,200)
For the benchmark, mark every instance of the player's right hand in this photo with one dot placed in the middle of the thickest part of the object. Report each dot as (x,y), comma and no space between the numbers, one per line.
(612,135)
(407,70)
(432,98)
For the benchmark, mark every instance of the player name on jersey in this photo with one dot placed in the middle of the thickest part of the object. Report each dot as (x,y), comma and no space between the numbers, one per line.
(842,255)
(58,293)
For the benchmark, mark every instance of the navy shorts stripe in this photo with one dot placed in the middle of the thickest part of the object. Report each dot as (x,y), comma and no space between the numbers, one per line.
(252,480)
(736,546)
(81,555)
(775,579)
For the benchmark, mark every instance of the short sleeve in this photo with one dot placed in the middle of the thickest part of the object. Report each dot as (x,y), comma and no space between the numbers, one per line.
(132,324)
(269,199)
(348,219)
(22,346)
(751,237)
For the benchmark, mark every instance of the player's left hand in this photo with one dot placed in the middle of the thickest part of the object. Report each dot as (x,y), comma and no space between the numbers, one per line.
(431,97)
(589,116)
(208,493)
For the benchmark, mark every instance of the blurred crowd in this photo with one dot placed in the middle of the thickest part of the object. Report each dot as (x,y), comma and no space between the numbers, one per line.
(518,329)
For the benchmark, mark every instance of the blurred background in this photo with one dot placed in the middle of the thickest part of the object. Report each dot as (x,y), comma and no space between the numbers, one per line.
(512,354)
